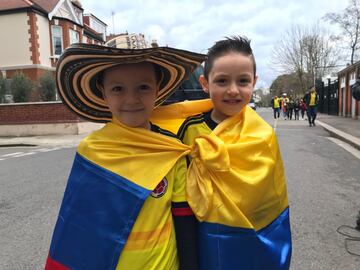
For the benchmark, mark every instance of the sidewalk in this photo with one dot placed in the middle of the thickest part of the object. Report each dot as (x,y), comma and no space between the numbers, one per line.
(49,140)
(345,129)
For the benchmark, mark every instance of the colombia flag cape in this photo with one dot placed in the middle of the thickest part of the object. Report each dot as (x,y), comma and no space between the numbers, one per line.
(112,175)
(236,188)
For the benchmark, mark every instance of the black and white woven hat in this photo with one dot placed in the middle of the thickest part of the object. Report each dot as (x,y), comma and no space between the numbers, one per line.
(80,65)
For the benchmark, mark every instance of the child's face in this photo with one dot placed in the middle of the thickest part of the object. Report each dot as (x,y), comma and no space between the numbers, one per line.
(130,93)
(230,84)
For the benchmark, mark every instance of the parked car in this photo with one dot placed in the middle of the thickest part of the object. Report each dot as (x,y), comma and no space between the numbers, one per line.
(252,104)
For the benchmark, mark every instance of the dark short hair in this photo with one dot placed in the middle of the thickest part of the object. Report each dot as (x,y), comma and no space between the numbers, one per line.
(157,68)
(237,44)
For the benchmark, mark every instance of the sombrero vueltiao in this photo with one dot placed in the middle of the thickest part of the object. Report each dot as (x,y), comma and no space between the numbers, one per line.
(79,66)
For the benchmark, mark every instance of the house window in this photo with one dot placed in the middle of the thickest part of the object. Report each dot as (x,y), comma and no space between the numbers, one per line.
(74,36)
(57,38)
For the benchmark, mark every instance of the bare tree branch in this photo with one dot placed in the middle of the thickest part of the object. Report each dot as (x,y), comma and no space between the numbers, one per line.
(307,52)
(349,22)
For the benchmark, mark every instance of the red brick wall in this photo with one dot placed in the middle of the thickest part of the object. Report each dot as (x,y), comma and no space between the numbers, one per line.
(36,113)
(34,38)
(32,73)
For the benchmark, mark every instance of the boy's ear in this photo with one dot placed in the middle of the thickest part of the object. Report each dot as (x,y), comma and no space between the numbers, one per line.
(204,84)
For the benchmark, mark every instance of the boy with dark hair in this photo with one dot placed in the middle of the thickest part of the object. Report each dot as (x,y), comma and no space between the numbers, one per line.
(240,198)
(124,206)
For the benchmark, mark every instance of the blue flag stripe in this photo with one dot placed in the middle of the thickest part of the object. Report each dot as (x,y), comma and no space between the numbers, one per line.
(224,247)
(98,211)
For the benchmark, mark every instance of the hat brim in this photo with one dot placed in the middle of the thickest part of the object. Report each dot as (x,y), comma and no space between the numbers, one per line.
(79,66)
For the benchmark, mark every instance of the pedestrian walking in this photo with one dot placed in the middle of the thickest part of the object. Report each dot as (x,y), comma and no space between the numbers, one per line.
(311,99)
(290,108)
(284,102)
(303,109)
(296,109)
(275,104)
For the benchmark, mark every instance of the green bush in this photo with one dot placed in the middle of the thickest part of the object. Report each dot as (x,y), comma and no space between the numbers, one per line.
(2,90)
(47,87)
(21,86)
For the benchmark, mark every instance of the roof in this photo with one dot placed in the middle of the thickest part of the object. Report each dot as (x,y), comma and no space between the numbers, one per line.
(14,4)
(92,15)
(349,68)
(45,5)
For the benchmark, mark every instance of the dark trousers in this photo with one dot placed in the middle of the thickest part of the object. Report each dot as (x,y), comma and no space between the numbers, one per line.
(312,111)
(303,113)
(296,112)
(276,113)
(289,113)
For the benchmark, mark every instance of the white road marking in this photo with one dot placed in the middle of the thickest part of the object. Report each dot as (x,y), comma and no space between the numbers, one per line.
(275,123)
(25,154)
(12,154)
(47,149)
(347,147)
(33,152)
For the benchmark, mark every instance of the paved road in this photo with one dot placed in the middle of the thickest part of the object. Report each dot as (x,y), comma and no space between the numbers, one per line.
(324,187)
(323,184)
(32,183)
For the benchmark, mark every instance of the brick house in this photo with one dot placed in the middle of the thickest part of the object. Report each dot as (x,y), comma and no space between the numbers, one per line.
(39,30)
(348,106)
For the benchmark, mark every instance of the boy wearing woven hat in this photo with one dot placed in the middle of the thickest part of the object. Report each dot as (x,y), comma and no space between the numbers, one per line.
(126,190)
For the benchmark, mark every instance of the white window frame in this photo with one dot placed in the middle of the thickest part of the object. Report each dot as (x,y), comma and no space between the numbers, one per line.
(53,42)
(71,36)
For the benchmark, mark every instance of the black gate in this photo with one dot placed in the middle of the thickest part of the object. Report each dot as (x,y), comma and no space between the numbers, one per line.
(328,97)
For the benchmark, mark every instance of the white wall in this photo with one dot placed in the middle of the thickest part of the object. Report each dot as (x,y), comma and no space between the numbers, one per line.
(44,40)
(15,47)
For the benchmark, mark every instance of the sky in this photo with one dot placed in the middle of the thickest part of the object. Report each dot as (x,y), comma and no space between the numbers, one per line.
(197,24)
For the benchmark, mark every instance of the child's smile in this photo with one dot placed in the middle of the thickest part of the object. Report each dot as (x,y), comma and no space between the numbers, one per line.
(230,85)
(130,92)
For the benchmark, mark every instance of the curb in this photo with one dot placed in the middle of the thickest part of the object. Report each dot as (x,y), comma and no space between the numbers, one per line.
(353,141)
(18,145)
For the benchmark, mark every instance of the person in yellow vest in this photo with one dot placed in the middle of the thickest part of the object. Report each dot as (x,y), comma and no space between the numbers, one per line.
(311,99)
(275,103)
(284,103)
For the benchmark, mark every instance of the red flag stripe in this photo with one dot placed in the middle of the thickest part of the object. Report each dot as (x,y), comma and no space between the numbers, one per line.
(182,211)
(54,265)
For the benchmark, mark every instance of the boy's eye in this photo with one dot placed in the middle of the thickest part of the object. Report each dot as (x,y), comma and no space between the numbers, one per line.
(244,81)
(220,81)
(144,87)
(117,88)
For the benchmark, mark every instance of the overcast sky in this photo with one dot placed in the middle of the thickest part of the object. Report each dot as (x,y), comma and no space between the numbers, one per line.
(196,24)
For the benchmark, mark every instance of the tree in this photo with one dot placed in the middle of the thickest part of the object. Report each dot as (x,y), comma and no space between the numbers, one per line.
(349,22)
(2,90)
(47,87)
(306,52)
(21,86)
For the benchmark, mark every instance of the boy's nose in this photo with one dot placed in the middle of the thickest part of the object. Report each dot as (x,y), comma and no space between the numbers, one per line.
(233,89)
(132,97)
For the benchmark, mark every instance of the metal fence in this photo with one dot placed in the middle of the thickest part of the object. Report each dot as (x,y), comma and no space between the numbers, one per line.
(328,97)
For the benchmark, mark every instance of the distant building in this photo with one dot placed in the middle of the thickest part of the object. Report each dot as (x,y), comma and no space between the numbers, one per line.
(39,30)
(129,41)
(348,106)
